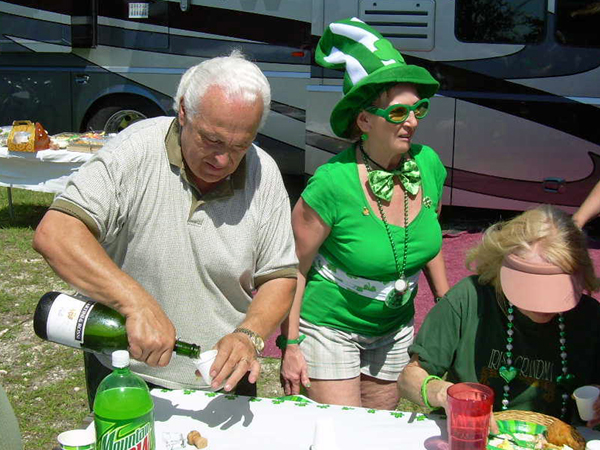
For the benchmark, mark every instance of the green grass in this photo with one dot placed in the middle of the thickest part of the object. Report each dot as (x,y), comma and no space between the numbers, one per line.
(44,381)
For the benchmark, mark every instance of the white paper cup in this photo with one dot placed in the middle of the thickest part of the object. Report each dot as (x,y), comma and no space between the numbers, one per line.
(324,438)
(204,363)
(592,445)
(77,440)
(585,397)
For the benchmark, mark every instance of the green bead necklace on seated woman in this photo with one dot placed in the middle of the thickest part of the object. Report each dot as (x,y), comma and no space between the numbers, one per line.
(565,380)
(400,295)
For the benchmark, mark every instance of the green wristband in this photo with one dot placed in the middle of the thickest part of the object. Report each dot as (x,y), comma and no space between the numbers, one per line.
(282,342)
(424,396)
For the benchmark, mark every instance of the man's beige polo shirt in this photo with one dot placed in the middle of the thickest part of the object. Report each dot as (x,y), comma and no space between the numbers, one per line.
(200,256)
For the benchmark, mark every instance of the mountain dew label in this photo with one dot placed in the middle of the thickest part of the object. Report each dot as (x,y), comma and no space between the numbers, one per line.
(135,434)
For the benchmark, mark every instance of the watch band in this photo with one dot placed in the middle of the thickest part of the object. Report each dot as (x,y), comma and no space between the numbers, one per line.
(255,339)
(282,342)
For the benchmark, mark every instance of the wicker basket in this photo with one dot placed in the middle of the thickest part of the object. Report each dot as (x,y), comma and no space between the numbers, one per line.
(541,419)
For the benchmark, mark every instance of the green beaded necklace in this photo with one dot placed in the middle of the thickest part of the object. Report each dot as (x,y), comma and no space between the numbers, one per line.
(401,293)
(565,379)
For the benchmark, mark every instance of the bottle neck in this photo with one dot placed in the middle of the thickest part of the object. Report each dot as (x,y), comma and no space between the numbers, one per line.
(187,349)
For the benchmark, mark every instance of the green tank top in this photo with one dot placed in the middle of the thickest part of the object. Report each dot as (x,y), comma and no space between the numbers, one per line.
(358,244)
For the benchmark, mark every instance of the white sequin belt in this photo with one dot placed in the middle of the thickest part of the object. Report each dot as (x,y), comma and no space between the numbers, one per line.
(377,290)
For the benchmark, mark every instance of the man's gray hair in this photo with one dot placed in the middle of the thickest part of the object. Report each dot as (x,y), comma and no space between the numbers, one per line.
(237,76)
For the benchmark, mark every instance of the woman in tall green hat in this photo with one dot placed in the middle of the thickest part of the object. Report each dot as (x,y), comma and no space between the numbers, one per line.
(365,227)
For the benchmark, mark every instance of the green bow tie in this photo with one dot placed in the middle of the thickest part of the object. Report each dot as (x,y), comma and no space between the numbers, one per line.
(382,181)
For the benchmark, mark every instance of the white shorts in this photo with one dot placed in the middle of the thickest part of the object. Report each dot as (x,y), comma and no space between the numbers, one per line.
(337,355)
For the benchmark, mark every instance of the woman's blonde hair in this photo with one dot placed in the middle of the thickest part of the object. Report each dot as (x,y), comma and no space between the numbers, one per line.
(550,230)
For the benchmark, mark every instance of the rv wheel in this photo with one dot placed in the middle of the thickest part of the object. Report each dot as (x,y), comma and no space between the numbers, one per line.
(115,118)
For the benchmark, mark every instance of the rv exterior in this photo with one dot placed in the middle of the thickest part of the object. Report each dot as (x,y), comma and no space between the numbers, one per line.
(515,121)
(102,64)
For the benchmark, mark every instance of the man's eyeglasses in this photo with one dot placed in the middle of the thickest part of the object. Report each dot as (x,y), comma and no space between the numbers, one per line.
(398,113)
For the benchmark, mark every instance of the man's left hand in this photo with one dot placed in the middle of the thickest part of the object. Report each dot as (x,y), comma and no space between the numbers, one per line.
(236,357)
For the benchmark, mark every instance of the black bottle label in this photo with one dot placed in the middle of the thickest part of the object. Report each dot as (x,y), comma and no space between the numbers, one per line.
(81,320)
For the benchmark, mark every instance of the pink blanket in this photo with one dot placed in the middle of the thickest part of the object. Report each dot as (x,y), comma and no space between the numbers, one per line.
(454,247)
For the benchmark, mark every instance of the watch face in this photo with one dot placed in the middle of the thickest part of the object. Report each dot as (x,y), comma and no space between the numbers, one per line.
(256,340)
(258,343)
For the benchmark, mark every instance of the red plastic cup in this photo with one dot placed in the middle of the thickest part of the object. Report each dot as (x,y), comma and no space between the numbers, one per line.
(469,411)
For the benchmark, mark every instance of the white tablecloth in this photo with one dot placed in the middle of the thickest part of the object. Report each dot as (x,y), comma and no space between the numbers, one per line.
(245,423)
(44,171)
(240,423)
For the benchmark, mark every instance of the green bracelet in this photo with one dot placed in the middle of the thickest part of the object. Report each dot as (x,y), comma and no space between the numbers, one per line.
(282,342)
(424,390)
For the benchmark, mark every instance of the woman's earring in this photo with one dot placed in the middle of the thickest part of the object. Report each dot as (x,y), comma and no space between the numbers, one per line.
(364,137)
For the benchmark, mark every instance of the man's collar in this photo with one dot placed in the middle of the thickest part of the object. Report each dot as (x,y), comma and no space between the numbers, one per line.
(173,144)
(237,179)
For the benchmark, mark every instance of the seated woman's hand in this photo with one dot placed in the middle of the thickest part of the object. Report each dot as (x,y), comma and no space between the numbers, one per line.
(494,425)
(596,420)
(294,371)
(437,393)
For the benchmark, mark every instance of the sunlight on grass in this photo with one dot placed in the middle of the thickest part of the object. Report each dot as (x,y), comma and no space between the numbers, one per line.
(44,381)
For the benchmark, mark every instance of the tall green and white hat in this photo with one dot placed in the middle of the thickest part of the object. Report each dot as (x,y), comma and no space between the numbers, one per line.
(371,63)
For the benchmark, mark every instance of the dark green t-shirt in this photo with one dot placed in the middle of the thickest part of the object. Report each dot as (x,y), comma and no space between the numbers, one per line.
(359,245)
(465,335)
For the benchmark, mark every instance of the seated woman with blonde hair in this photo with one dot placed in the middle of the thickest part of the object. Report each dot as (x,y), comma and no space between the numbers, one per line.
(521,325)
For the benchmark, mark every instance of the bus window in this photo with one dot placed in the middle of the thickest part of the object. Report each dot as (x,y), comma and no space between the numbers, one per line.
(577,22)
(500,21)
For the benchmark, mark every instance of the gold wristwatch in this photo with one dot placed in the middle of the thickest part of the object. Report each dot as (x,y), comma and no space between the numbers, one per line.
(257,341)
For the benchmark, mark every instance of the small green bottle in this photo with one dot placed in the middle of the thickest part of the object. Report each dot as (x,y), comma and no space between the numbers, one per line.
(88,326)
(123,409)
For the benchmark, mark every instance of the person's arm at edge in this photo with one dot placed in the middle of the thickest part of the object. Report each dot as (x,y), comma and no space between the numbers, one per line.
(589,209)
(77,257)
(435,272)
(310,231)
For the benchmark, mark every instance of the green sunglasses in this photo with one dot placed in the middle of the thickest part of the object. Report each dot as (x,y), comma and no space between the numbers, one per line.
(398,113)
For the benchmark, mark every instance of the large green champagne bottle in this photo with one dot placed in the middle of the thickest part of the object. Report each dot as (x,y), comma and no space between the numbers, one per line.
(123,409)
(89,326)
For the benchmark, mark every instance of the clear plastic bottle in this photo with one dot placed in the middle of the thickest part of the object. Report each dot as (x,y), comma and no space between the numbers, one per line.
(123,409)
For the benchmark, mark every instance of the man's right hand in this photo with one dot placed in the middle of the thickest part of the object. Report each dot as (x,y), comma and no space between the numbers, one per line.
(150,332)
(77,257)
(294,371)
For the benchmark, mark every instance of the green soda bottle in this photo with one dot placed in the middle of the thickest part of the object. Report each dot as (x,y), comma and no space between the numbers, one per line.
(123,409)
(88,325)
